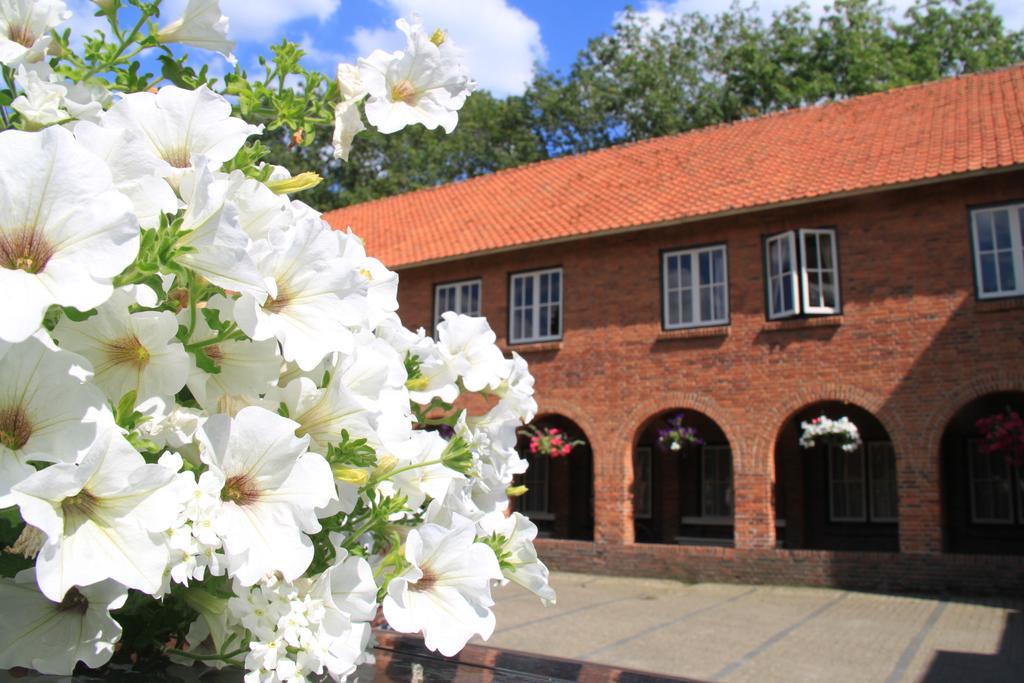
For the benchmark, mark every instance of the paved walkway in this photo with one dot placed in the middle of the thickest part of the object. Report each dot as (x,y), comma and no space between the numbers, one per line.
(720,632)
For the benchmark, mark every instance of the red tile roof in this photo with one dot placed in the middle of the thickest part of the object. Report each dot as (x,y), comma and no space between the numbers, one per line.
(950,127)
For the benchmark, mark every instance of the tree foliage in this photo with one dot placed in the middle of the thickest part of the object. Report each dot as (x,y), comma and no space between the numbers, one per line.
(643,80)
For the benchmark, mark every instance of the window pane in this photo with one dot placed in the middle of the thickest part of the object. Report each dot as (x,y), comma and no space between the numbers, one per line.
(673,308)
(811,250)
(686,310)
(828,290)
(556,286)
(787,293)
(1002,229)
(1007,281)
(554,320)
(544,288)
(718,265)
(988,273)
(517,325)
(983,223)
(705,304)
(825,248)
(474,303)
(528,299)
(787,265)
(991,496)
(719,303)
(774,261)
(517,287)
(528,323)
(672,264)
(685,275)
(704,260)
(814,288)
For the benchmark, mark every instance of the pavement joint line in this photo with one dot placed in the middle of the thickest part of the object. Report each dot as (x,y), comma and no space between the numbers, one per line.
(775,638)
(559,615)
(903,663)
(666,624)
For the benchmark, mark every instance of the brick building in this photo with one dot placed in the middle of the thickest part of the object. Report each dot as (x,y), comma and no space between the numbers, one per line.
(861,259)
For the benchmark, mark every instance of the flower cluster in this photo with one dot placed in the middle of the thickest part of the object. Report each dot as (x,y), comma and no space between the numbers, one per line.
(841,432)
(214,428)
(1003,433)
(676,436)
(551,442)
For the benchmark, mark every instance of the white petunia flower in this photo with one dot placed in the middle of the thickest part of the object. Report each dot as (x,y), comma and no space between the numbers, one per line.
(52,637)
(350,84)
(212,230)
(421,85)
(41,103)
(311,306)
(129,351)
(446,590)
(180,124)
(468,345)
(245,367)
(269,488)
(25,29)
(137,173)
(519,534)
(427,475)
(65,232)
(202,25)
(103,518)
(323,413)
(348,123)
(46,412)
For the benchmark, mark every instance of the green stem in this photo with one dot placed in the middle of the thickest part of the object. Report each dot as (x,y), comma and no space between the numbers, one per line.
(391,473)
(125,42)
(223,336)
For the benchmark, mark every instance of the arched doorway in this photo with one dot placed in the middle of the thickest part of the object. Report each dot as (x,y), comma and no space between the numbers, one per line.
(560,490)
(683,496)
(829,498)
(983,492)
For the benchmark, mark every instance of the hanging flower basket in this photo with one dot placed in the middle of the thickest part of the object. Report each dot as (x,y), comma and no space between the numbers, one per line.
(1003,433)
(823,430)
(675,437)
(551,442)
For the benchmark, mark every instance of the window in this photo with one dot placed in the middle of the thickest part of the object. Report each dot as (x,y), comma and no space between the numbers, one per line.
(535,306)
(882,470)
(642,498)
(694,288)
(846,485)
(863,490)
(716,481)
(535,500)
(999,251)
(461,297)
(991,482)
(802,273)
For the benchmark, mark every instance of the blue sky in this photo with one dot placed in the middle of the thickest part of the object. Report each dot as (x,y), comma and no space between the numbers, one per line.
(502,39)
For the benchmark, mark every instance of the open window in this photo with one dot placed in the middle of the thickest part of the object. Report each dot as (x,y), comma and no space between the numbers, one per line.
(802,273)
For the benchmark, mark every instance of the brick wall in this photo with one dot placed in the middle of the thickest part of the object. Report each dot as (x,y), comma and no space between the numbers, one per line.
(911,347)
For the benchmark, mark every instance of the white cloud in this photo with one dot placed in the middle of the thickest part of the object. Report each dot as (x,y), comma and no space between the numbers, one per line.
(259,20)
(657,11)
(500,42)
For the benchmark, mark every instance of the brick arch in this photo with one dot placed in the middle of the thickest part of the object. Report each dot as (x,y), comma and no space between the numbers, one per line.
(843,393)
(992,383)
(570,411)
(637,419)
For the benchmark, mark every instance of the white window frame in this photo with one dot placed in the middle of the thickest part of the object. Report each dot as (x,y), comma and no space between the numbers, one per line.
(695,286)
(873,447)
(972,452)
(788,242)
(794,242)
(1016,246)
(460,305)
(832,516)
(805,292)
(643,498)
(541,466)
(704,452)
(534,305)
